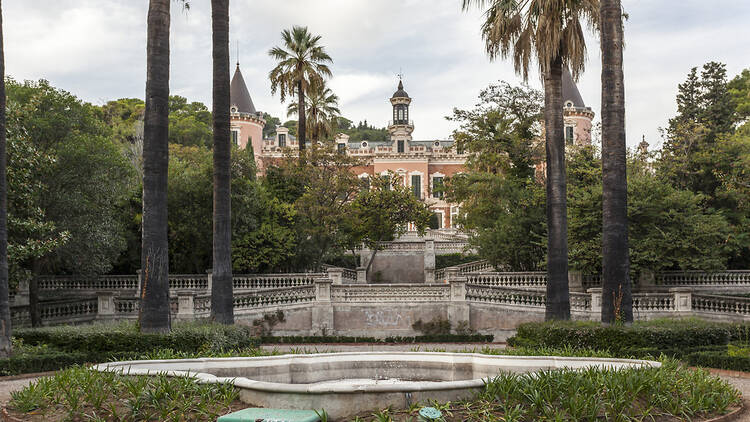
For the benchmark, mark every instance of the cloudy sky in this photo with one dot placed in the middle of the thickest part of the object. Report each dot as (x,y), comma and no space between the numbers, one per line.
(96,50)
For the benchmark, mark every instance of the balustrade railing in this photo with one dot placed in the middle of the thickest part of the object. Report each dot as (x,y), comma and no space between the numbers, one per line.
(390,293)
(518,280)
(188,281)
(653,302)
(721,304)
(103,282)
(274,297)
(275,281)
(702,278)
(505,296)
(475,267)
(349,275)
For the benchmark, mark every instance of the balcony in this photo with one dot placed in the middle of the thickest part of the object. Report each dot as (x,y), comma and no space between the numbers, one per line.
(401,123)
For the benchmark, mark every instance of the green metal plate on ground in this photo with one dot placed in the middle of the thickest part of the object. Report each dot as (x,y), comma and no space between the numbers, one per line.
(271,415)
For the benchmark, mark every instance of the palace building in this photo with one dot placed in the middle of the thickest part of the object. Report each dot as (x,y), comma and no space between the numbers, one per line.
(422,165)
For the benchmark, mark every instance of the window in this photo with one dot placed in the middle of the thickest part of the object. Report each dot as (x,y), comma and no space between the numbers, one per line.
(569,134)
(341,148)
(437,187)
(400,145)
(416,185)
(235,137)
(436,220)
(364,144)
(282,140)
(454,217)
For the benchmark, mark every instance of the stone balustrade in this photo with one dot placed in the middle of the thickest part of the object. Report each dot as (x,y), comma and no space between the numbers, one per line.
(702,278)
(274,281)
(517,280)
(335,301)
(721,304)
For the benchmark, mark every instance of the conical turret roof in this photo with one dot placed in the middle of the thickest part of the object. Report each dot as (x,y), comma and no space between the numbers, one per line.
(239,96)
(570,90)
(400,93)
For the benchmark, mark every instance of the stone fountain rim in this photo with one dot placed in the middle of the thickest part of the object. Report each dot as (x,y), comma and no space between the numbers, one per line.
(405,386)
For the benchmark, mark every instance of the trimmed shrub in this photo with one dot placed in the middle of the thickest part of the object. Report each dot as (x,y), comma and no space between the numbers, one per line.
(101,341)
(48,361)
(659,335)
(720,360)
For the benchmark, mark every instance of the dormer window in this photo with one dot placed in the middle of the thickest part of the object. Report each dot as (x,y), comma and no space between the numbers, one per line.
(282,140)
(437,143)
(234,109)
(364,144)
(569,104)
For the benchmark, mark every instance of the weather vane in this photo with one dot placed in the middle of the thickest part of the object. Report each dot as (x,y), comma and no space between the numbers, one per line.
(400,74)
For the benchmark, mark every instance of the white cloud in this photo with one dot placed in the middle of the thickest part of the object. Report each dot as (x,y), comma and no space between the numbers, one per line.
(96,49)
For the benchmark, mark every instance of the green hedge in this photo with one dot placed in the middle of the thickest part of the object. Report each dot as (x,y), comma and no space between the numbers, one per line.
(659,335)
(106,339)
(48,361)
(719,360)
(443,338)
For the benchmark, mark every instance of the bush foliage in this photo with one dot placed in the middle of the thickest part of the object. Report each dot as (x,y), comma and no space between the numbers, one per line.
(695,341)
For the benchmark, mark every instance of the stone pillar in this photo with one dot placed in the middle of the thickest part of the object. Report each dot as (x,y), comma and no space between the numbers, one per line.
(646,279)
(361,275)
(451,273)
(185,306)
(139,273)
(429,261)
(335,274)
(458,309)
(575,281)
(22,294)
(210,274)
(322,311)
(106,306)
(596,303)
(683,299)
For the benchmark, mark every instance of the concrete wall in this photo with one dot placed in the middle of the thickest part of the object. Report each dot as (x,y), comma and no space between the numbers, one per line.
(398,268)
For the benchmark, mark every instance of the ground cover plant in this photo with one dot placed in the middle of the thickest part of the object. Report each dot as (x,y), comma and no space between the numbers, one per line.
(669,393)
(79,394)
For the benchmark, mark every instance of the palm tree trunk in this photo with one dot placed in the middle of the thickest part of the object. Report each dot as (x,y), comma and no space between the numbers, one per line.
(5,327)
(617,301)
(558,295)
(154,314)
(301,121)
(222,310)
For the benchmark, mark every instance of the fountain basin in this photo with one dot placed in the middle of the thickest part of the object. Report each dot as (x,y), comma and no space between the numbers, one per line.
(345,384)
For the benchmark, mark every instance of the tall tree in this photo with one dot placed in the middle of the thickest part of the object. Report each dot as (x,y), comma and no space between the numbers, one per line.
(322,109)
(617,300)
(222,309)
(154,308)
(5,328)
(302,61)
(549,31)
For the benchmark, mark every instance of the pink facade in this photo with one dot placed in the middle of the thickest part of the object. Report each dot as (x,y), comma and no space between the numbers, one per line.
(420,165)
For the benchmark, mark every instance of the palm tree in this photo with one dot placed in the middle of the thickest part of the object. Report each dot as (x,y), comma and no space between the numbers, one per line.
(617,301)
(5,345)
(549,31)
(302,61)
(154,308)
(322,109)
(221,288)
